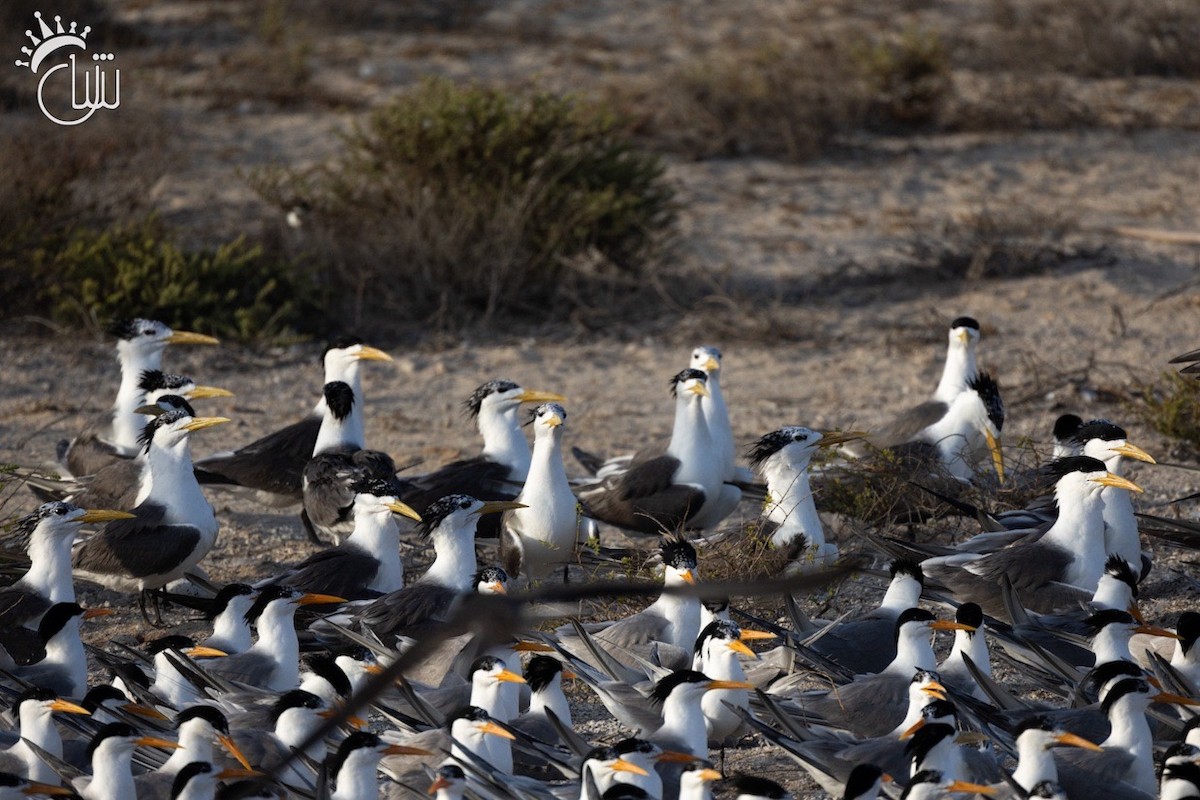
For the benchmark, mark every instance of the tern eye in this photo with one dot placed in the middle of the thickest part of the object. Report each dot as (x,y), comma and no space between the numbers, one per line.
(464,504)
(147,331)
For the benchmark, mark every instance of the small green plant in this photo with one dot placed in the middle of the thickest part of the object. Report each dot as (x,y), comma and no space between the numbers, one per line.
(459,201)
(233,291)
(1170,405)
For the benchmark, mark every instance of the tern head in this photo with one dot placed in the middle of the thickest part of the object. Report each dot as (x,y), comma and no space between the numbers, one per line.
(279,599)
(458,514)
(1079,476)
(694,777)
(1107,442)
(198,779)
(325,668)
(1188,629)
(236,596)
(865,781)
(14,786)
(341,355)
(689,385)
(474,721)
(690,684)
(449,777)
(489,671)
(58,520)
(930,783)
(491,580)
(723,634)
(548,419)
(544,671)
(794,446)
(1043,732)
(173,427)
(297,704)
(362,750)
(752,787)
(498,397)
(707,359)
(964,332)
(1122,625)
(377,496)
(146,337)
(970,615)
(156,383)
(119,738)
(679,560)
(38,701)
(1064,429)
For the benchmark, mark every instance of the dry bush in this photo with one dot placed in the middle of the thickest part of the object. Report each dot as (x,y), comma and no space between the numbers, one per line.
(1170,404)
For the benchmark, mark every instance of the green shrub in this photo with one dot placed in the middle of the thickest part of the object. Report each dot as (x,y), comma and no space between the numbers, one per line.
(455,201)
(1170,405)
(232,292)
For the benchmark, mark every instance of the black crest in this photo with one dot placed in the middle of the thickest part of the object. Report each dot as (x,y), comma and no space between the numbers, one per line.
(1188,628)
(907,566)
(340,343)
(760,787)
(1055,470)
(1121,689)
(475,402)
(37,694)
(718,629)
(969,614)
(296,698)
(58,616)
(172,642)
(1066,426)
(267,595)
(683,376)
(129,329)
(492,574)
(862,779)
(773,442)
(340,399)
(662,690)
(354,741)
(965,322)
(912,615)
(326,668)
(1109,616)
(207,713)
(227,593)
(166,418)
(153,380)
(1119,568)
(119,729)
(1100,429)
(989,393)
(436,513)
(185,775)
(540,672)
(678,552)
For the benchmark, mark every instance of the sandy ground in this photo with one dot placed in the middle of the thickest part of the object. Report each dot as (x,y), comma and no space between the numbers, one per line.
(855,323)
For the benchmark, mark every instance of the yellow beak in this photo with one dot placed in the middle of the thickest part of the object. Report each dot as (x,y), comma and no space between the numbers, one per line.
(235,751)
(144,711)
(993,443)
(621,765)
(532,647)
(404,750)
(712,365)
(698,388)
(495,730)
(201,651)
(187,337)
(404,510)
(69,708)
(707,775)
(970,788)
(103,515)
(831,438)
(1154,630)
(687,577)
(964,337)
(1108,479)
(438,783)
(728,685)
(1071,740)
(750,635)
(1175,699)
(35,788)
(508,676)
(199,423)
(739,647)
(949,625)
(93,613)
(498,588)
(1133,451)
(916,726)
(312,599)
(497,506)
(554,421)
(366,353)
(203,392)
(154,741)
(531,396)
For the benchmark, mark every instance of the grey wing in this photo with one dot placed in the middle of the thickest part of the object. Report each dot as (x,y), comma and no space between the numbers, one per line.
(870,706)
(116,487)
(339,571)
(89,453)
(1096,775)
(328,498)
(633,631)
(137,547)
(19,607)
(644,497)
(407,609)
(864,645)
(274,463)
(252,669)
(907,427)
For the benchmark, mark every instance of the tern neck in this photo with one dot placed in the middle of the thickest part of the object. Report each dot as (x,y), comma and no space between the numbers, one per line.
(196,744)
(65,651)
(38,727)
(454,566)
(169,480)
(791,504)
(975,646)
(716,416)
(551,698)
(546,468)
(356,779)
(959,370)
(913,651)
(684,722)
(1131,733)
(49,573)
(1112,594)
(379,535)
(112,775)
(293,728)
(127,423)
(277,640)
(231,634)
(337,433)
(1079,529)
(503,440)
(683,618)
(1035,762)
(904,592)
(1111,643)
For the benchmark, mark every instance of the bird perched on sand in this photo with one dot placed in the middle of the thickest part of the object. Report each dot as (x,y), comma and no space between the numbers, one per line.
(273,466)
(140,345)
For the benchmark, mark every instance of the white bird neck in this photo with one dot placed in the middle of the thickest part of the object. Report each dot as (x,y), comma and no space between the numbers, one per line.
(960,369)
(551,698)
(65,650)
(945,757)
(1111,644)
(1131,733)
(791,503)
(37,726)
(454,565)
(277,640)
(956,436)
(903,593)
(690,442)
(546,468)
(112,776)
(682,615)
(692,787)
(356,779)
(683,721)
(127,424)
(294,726)
(49,571)
(1112,594)
(716,416)
(1035,762)
(169,480)
(338,433)
(377,533)
(975,646)
(721,663)
(175,689)
(195,744)
(1079,529)
(913,651)
(503,440)
(230,631)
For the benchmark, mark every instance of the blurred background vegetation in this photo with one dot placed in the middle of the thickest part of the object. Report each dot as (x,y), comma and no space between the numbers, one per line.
(505,198)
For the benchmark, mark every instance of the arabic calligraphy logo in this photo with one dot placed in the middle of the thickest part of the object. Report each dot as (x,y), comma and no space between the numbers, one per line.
(95,84)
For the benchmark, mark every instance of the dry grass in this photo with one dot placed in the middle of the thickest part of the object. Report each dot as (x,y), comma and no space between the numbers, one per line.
(1170,404)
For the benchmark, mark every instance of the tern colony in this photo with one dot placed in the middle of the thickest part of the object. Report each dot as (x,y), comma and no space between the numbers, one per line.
(343,677)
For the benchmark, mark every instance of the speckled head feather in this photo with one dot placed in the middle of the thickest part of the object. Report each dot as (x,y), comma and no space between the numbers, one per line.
(17,537)
(862,779)
(340,399)
(188,774)
(355,741)
(717,629)
(683,376)
(662,690)
(340,343)
(436,513)
(965,322)
(907,566)
(1121,689)
(227,593)
(988,390)
(1065,426)
(113,729)
(296,698)
(912,615)
(1100,429)
(771,443)
(540,672)
(154,380)
(129,329)
(634,745)
(157,423)
(489,575)
(486,663)
(475,402)
(373,485)
(1055,470)
(758,787)
(209,714)
(543,408)
(678,552)
(1119,568)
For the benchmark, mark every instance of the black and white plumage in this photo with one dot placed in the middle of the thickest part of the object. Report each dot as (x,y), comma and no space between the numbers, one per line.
(111,756)
(61,664)
(665,487)
(352,767)
(173,526)
(198,728)
(753,787)
(960,367)
(1036,736)
(33,709)
(542,536)
(273,466)
(501,469)
(140,345)
(678,696)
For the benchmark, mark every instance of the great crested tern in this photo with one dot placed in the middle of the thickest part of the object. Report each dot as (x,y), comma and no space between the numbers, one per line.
(666,487)
(140,345)
(353,766)
(1035,737)
(111,756)
(1058,570)
(537,539)
(33,709)
(721,649)
(197,728)
(273,466)
(62,664)
(716,415)
(961,367)
(173,526)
